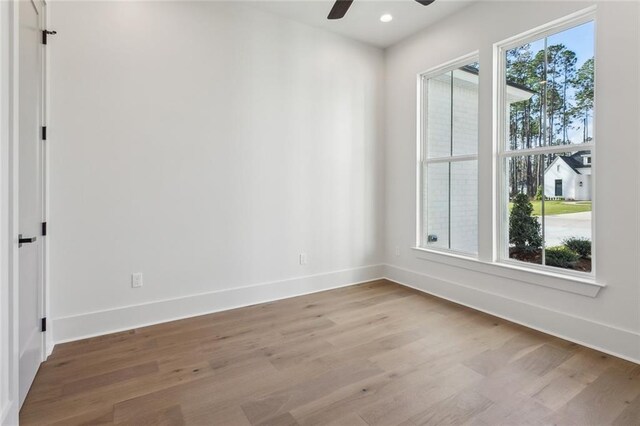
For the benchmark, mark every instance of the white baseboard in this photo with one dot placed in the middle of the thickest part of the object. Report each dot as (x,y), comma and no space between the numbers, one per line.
(49,347)
(606,338)
(92,324)
(602,337)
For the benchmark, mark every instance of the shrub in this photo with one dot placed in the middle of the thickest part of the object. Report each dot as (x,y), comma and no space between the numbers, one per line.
(582,246)
(561,256)
(524,229)
(539,193)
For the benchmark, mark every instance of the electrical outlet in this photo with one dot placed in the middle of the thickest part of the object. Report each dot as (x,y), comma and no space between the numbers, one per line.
(397,251)
(136,280)
(303,258)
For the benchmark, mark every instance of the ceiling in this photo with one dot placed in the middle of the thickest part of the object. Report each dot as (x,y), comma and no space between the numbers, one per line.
(362,21)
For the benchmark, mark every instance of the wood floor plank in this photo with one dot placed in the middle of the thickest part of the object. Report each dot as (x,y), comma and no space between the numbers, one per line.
(171,416)
(224,388)
(102,416)
(407,403)
(206,414)
(602,401)
(511,411)
(94,382)
(630,415)
(284,401)
(543,359)
(359,395)
(455,410)
(371,354)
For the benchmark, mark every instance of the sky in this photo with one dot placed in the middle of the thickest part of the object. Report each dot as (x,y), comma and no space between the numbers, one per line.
(580,39)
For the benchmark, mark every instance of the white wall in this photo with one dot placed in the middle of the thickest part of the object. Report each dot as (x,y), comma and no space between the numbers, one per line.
(206,145)
(612,319)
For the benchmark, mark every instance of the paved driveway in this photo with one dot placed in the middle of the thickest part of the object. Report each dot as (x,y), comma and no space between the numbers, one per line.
(562,226)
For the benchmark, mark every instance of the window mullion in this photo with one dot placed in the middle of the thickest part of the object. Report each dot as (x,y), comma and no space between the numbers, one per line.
(451,119)
(545,143)
(555,149)
(454,159)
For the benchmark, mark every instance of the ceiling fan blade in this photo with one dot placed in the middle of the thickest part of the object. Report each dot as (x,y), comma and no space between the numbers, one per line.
(425,2)
(339,9)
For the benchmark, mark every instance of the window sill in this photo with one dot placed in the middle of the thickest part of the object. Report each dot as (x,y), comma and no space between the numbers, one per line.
(571,284)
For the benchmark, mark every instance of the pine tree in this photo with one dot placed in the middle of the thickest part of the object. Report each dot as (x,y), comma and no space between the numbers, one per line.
(562,100)
(583,83)
(524,229)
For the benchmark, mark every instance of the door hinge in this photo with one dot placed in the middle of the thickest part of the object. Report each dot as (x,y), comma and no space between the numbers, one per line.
(43,324)
(44,133)
(46,33)
(44,229)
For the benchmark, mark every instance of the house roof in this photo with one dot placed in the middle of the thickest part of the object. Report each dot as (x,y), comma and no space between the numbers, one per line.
(575,160)
(474,70)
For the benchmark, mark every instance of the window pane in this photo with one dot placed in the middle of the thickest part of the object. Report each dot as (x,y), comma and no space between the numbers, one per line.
(451,201)
(452,112)
(549,99)
(438,120)
(567,210)
(450,188)
(524,176)
(549,90)
(464,206)
(524,90)
(550,227)
(436,213)
(465,111)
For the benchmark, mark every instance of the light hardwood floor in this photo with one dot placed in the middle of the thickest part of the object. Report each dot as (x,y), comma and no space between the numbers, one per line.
(371,354)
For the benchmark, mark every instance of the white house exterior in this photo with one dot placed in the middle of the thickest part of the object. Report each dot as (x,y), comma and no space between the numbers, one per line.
(452,188)
(568,177)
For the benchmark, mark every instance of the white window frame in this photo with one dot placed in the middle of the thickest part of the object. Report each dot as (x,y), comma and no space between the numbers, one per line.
(501,245)
(487,260)
(422,155)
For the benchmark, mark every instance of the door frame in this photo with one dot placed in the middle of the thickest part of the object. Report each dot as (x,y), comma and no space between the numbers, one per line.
(555,191)
(9,226)
(48,336)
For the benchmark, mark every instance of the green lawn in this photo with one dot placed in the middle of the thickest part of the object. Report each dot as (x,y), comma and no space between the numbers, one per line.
(559,207)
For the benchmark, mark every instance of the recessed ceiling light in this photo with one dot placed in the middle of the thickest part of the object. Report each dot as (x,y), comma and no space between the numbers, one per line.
(386,18)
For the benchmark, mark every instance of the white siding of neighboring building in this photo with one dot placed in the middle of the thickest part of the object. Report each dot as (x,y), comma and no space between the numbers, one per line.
(464,175)
(464,206)
(583,191)
(438,96)
(571,189)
